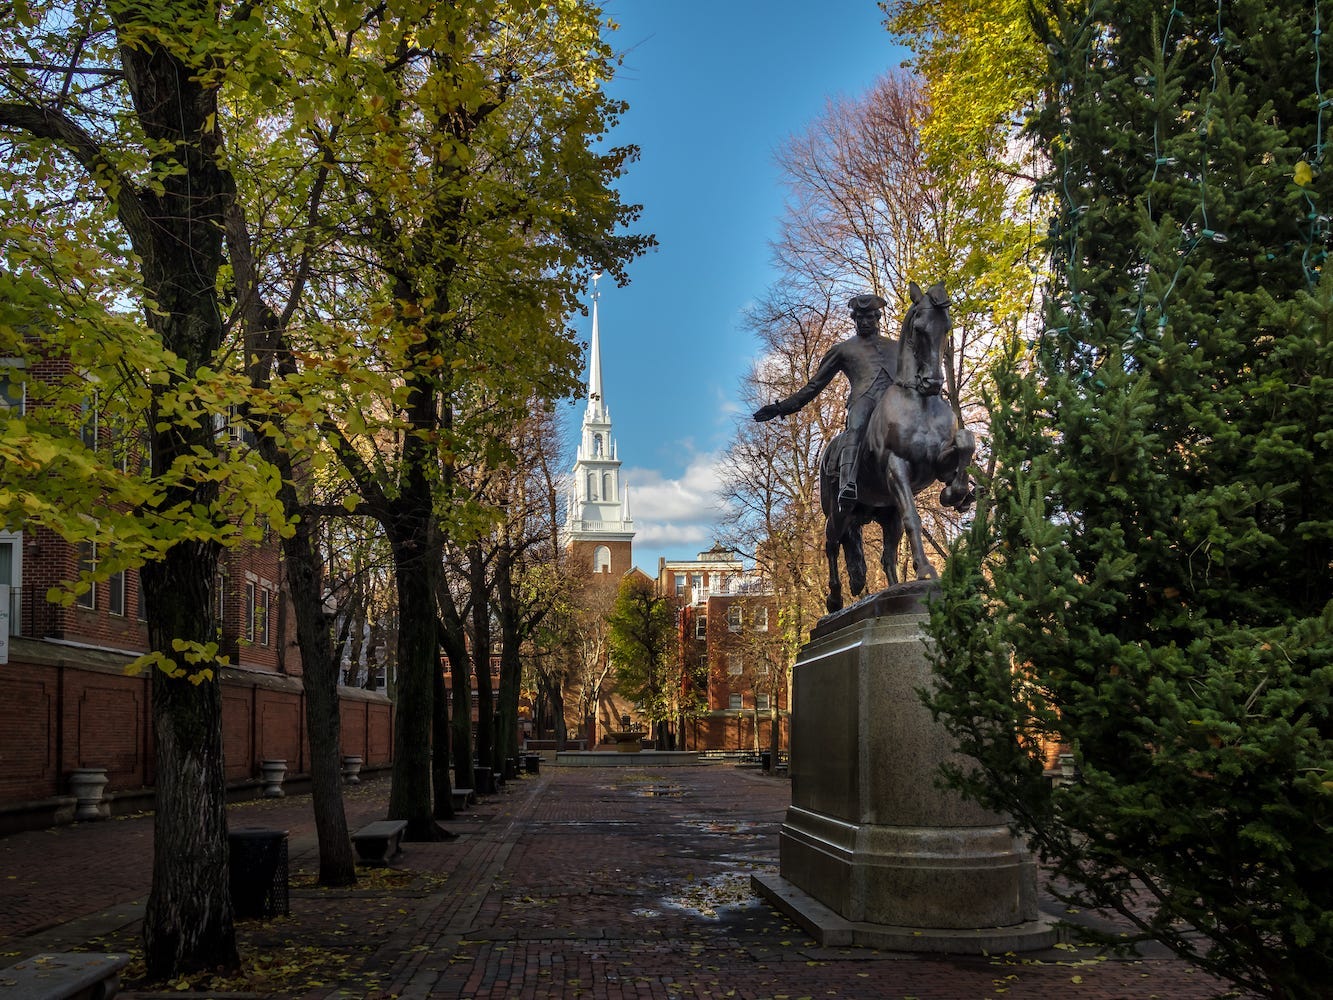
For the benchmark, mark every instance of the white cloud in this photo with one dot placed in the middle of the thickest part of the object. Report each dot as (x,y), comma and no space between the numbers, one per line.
(674,513)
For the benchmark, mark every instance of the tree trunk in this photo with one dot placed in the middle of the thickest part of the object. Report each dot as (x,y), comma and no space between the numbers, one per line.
(558,716)
(440,736)
(481,658)
(188,921)
(266,345)
(453,636)
(415,559)
(320,669)
(511,662)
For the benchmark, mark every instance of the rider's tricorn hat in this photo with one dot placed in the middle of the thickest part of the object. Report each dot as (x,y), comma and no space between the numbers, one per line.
(866,304)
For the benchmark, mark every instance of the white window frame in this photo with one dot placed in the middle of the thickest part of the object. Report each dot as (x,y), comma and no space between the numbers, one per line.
(735,664)
(14,540)
(262,624)
(735,701)
(759,618)
(701,627)
(87,600)
(735,618)
(250,588)
(116,593)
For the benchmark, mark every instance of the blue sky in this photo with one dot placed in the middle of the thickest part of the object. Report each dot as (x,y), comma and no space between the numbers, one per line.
(714,88)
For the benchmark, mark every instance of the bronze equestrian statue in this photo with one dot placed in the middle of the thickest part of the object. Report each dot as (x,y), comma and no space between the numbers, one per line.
(901,436)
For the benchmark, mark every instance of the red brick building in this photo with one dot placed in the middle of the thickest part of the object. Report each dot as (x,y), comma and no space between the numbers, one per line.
(729,645)
(67,702)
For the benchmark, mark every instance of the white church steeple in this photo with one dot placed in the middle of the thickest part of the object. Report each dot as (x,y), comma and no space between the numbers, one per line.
(597,411)
(599,502)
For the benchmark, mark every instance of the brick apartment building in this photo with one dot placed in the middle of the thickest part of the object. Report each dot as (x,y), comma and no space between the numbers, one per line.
(729,645)
(67,702)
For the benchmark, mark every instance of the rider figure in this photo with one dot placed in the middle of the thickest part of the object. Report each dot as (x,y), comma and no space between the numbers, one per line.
(868,361)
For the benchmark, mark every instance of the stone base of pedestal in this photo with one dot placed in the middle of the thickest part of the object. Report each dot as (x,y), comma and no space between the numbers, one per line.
(870,841)
(832,930)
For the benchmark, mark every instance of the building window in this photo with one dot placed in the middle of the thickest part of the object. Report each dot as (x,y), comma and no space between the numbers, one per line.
(735,664)
(592,486)
(11,575)
(87,564)
(219,601)
(597,446)
(13,390)
(601,559)
(697,583)
(88,421)
(261,617)
(701,627)
(734,619)
(680,584)
(760,618)
(734,701)
(115,600)
(256,614)
(607,492)
(761,703)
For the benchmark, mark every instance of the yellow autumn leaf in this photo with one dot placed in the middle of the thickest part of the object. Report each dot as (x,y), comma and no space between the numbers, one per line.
(1303,175)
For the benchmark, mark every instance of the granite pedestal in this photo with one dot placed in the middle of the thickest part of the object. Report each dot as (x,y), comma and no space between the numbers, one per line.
(871,851)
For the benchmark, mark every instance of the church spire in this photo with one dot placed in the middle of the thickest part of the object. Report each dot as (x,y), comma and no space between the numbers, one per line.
(599,505)
(596,401)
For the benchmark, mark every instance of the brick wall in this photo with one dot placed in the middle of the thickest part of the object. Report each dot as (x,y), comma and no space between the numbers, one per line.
(64,707)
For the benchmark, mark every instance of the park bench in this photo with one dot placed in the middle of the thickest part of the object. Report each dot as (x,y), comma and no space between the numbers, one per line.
(64,976)
(462,796)
(380,842)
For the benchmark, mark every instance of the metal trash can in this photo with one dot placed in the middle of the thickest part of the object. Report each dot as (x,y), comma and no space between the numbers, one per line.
(766,759)
(532,763)
(257,871)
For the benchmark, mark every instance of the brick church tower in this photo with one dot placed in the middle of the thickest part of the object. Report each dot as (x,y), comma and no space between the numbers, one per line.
(599,530)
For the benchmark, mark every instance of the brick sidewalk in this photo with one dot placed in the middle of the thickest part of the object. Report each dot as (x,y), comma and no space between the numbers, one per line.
(595,883)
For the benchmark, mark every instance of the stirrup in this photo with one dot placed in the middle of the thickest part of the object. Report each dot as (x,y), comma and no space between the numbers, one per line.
(847,496)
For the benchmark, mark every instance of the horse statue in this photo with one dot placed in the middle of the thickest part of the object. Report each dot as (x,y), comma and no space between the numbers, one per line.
(912,440)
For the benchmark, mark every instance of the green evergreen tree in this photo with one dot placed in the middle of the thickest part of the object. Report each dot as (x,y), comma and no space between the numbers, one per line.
(1150,578)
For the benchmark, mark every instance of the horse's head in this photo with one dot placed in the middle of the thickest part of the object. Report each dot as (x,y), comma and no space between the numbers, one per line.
(920,351)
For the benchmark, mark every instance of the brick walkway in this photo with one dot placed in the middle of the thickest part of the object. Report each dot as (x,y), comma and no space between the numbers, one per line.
(578,883)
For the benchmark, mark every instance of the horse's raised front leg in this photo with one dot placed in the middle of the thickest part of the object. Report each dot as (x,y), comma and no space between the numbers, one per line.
(957,455)
(900,485)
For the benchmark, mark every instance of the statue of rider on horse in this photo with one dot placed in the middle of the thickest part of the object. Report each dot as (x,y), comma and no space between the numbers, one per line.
(901,435)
